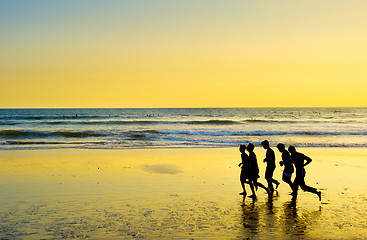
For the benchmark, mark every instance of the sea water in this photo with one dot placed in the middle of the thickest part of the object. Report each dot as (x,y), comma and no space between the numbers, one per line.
(181,127)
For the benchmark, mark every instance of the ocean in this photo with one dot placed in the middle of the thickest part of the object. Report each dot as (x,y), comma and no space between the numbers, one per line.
(181,127)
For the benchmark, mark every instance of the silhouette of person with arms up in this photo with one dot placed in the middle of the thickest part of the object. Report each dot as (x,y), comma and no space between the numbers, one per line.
(298,160)
(254,170)
(287,163)
(270,166)
(245,171)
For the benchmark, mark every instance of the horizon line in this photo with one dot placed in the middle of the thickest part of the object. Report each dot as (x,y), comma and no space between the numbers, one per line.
(5,108)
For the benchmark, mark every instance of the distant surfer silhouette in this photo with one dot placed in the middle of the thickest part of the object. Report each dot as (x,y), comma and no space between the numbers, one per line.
(254,170)
(287,163)
(270,166)
(298,160)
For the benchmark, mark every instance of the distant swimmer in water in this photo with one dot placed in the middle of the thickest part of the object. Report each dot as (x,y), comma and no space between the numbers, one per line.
(270,166)
(287,163)
(245,171)
(254,170)
(298,160)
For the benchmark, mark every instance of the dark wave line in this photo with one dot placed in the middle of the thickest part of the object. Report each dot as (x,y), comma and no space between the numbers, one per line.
(154,122)
(254,133)
(50,143)
(174,143)
(325,133)
(266,121)
(8,123)
(214,122)
(61,117)
(128,122)
(148,134)
(39,134)
(105,121)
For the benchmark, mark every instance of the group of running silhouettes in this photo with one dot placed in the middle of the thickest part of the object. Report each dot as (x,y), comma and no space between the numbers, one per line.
(250,169)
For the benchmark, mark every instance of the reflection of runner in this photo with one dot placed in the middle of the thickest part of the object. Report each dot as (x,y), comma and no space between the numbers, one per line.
(288,165)
(270,166)
(254,169)
(245,168)
(298,160)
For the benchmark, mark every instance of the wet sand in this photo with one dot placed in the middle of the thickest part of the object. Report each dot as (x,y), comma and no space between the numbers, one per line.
(175,194)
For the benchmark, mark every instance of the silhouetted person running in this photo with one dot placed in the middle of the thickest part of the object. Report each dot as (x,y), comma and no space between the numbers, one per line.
(245,171)
(288,165)
(298,160)
(270,166)
(254,170)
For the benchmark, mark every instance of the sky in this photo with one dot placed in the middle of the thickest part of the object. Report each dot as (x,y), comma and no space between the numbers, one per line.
(192,53)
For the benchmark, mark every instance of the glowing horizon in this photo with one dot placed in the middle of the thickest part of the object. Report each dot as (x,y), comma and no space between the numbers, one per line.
(62,54)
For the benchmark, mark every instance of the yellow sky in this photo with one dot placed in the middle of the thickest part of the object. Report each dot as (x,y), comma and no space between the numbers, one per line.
(183,53)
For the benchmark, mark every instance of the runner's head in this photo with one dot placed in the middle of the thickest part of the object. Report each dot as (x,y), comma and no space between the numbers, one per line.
(265,144)
(250,147)
(242,148)
(281,147)
(292,149)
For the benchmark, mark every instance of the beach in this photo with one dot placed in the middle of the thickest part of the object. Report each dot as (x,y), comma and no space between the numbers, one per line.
(175,193)
(124,119)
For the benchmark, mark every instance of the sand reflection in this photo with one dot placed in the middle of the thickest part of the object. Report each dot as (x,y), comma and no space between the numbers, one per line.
(270,213)
(280,221)
(255,215)
(250,216)
(294,223)
(162,168)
